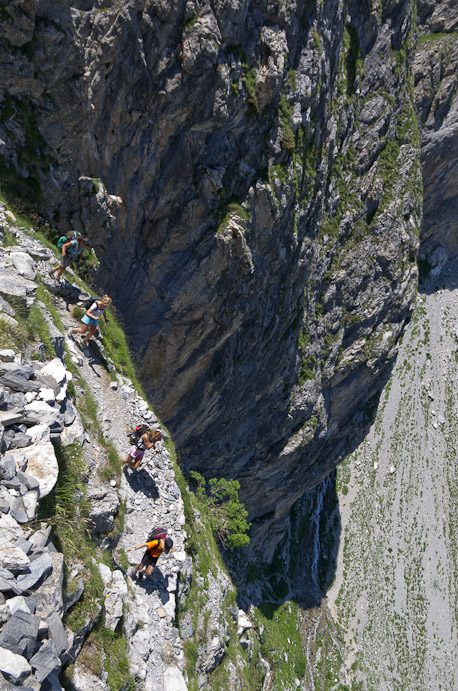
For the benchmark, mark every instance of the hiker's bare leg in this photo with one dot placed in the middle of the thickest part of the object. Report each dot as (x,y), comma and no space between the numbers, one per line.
(149,570)
(129,461)
(92,329)
(81,329)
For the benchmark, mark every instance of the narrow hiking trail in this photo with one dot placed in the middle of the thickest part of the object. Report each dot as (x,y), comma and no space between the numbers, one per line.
(151,498)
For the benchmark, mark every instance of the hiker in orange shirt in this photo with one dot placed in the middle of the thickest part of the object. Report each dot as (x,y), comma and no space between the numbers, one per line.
(154,549)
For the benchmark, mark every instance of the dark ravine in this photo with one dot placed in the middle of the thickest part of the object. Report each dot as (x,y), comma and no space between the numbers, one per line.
(250,178)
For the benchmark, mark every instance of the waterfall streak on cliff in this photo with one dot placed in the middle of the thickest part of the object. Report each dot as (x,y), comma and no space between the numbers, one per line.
(316,538)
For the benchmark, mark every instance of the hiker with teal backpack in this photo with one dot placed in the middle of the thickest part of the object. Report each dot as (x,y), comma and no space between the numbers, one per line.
(142,439)
(95,307)
(71,249)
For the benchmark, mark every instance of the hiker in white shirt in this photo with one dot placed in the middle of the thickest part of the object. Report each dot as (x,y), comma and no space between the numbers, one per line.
(92,316)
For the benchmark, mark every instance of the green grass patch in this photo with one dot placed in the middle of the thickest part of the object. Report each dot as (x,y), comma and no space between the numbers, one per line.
(106,651)
(12,336)
(31,328)
(45,297)
(9,240)
(281,642)
(67,510)
(113,465)
(117,349)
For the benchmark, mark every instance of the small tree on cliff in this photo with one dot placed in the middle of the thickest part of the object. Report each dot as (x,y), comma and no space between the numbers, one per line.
(226,513)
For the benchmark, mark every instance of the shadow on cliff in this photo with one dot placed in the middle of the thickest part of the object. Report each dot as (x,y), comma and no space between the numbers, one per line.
(446,279)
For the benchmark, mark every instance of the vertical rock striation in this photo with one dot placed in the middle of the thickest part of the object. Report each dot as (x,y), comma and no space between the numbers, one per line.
(249,174)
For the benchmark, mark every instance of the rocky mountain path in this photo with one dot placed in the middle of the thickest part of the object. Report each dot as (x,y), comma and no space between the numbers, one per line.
(151,498)
(398,505)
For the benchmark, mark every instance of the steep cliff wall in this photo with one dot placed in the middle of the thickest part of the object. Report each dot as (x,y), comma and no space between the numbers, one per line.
(249,175)
(436,103)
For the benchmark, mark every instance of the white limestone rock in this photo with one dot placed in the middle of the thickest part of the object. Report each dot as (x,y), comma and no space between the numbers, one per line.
(115,595)
(105,573)
(18,604)
(39,433)
(41,464)
(73,433)
(174,680)
(47,395)
(56,370)
(243,623)
(45,413)
(12,557)
(14,667)
(24,264)
(7,355)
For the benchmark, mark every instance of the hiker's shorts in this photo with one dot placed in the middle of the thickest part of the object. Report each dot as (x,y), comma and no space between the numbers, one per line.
(65,261)
(148,560)
(136,453)
(88,320)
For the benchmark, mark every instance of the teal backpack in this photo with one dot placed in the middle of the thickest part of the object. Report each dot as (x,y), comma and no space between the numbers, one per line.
(63,239)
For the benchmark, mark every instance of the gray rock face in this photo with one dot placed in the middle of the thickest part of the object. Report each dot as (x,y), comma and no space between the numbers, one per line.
(24,264)
(49,594)
(436,104)
(19,634)
(45,661)
(270,153)
(104,507)
(37,571)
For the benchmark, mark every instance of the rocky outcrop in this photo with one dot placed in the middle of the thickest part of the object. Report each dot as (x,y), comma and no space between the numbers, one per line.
(249,176)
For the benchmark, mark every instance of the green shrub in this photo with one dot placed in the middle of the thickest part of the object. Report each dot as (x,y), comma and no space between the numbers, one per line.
(117,348)
(226,513)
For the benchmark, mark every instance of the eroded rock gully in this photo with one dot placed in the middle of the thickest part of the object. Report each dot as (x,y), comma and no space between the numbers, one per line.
(249,175)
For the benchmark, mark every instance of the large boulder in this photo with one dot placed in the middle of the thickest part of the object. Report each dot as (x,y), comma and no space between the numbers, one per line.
(41,464)
(24,264)
(104,507)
